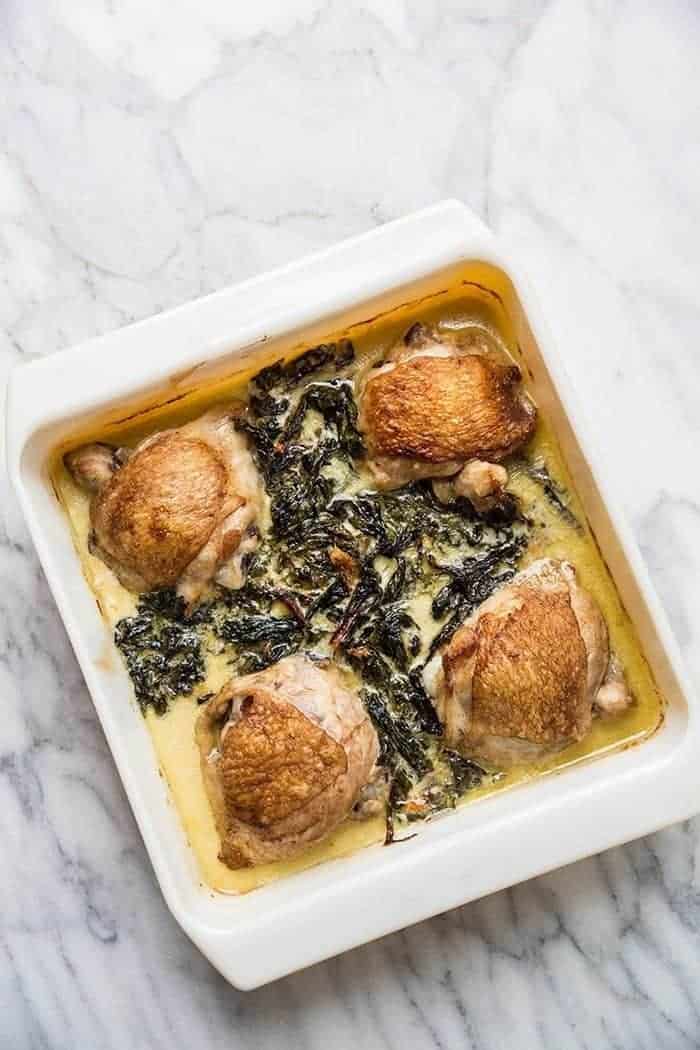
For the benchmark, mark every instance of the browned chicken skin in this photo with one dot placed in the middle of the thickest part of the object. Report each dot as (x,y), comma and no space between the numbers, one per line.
(441,401)
(285,755)
(175,511)
(522,675)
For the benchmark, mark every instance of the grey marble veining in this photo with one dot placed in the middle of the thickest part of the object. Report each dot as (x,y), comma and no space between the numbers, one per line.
(154,152)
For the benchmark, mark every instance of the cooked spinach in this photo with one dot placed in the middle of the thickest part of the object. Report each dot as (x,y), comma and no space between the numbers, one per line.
(163,653)
(390,631)
(471,581)
(554,492)
(396,735)
(288,375)
(466,773)
(364,601)
(262,638)
(293,470)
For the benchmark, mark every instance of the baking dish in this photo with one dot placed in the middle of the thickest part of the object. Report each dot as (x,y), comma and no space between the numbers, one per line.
(317,913)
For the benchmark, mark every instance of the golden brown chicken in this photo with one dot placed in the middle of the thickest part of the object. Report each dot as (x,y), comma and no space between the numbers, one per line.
(286,754)
(522,675)
(441,402)
(177,510)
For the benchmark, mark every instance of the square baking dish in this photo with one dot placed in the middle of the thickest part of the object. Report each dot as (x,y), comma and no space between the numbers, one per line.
(550,821)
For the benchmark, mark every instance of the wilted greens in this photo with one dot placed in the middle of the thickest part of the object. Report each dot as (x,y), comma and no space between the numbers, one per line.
(553,491)
(163,652)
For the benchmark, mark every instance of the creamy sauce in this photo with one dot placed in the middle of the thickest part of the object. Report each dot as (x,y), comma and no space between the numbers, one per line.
(552,536)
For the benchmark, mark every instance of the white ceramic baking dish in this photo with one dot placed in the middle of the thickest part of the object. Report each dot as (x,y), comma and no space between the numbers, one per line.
(483,847)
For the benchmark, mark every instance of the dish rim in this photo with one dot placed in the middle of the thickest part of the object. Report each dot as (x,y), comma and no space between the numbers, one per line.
(264,935)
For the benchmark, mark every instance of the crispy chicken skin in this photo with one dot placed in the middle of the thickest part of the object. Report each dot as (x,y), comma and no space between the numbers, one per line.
(175,511)
(285,753)
(522,675)
(441,400)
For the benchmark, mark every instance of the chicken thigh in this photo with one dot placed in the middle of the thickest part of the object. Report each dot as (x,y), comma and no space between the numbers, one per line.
(285,754)
(521,676)
(444,403)
(177,510)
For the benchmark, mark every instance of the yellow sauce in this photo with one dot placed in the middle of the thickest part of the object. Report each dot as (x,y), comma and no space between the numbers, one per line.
(173,733)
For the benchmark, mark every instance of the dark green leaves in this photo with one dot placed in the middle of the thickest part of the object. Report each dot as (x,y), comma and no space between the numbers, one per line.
(466,773)
(163,653)
(264,638)
(396,735)
(470,583)
(287,375)
(557,496)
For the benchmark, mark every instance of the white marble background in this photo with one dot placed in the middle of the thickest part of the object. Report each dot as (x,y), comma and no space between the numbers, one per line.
(152,151)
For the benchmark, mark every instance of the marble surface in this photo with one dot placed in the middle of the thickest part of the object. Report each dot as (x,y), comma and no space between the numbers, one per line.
(152,152)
